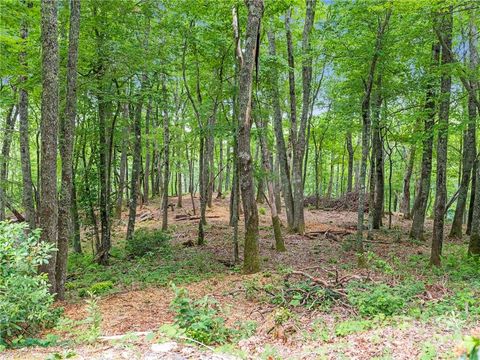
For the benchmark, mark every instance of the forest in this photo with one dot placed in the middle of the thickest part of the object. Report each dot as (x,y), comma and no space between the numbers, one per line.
(239,179)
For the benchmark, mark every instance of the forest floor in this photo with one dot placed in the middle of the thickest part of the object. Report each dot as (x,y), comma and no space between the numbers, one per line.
(426,318)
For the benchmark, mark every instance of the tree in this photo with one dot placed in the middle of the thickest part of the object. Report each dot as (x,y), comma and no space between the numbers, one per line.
(27,183)
(469,142)
(442,144)
(251,260)
(48,211)
(368,85)
(421,199)
(67,129)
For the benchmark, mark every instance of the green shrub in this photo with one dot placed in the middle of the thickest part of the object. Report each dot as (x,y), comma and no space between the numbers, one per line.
(98,288)
(25,301)
(262,211)
(199,319)
(348,327)
(144,242)
(381,299)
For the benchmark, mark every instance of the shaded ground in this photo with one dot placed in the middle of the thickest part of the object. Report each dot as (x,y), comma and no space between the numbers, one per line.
(308,335)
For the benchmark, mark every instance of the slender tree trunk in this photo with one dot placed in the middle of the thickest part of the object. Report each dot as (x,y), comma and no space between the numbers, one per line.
(146,174)
(251,250)
(7,141)
(330,179)
(469,147)
(474,243)
(123,164)
(377,149)
(350,162)
(67,133)
(166,153)
(472,198)
(277,230)
(179,186)
(405,206)
(280,141)
(366,129)
(77,244)
(48,211)
(220,170)
(27,183)
(421,200)
(277,183)
(136,165)
(442,144)
(299,143)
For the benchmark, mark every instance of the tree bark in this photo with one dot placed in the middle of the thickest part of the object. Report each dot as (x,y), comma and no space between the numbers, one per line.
(405,206)
(146,174)
(350,162)
(474,243)
(7,141)
(27,183)
(471,205)
(123,163)
(48,211)
(280,140)
(251,250)
(378,165)
(442,144)
(166,153)
(299,143)
(421,200)
(366,129)
(67,133)
(220,170)
(277,230)
(136,165)
(469,147)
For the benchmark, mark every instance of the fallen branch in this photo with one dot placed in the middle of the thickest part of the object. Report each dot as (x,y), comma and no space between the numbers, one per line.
(187,218)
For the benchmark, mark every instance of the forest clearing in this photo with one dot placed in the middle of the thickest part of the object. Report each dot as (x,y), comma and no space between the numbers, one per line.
(430,325)
(239,179)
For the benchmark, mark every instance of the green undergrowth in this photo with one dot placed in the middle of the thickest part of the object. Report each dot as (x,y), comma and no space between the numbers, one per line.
(203,321)
(409,288)
(148,259)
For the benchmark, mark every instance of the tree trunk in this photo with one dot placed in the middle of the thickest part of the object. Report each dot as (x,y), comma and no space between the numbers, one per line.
(220,170)
(166,153)
(77,244)
(136,165)
(7,141)
(469,147)
(350,162)
(472,198)
(299,143)
(366,129)
(442,144)
(378,166)
(48,211)
(421,200)
(405,206)
(277,230)
(123,164)
(251,250)
(146,174)
(27,183)
(179,187)
(280,141)
(67,133)
(474,243)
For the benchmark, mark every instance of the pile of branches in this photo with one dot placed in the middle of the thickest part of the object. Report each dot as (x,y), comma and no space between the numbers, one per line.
(346,202)
(302,289)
